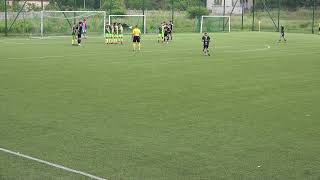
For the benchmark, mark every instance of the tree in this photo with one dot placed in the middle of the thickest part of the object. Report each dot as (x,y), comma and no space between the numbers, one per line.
(1,5)
(194,12)
(114,6)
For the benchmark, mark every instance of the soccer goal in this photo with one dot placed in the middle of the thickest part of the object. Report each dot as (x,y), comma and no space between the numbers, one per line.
(129,21)
(60,23)
(215,24)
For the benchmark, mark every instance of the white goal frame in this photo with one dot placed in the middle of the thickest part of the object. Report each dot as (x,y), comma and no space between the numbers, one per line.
(144,20)
(202,17)
(102,12)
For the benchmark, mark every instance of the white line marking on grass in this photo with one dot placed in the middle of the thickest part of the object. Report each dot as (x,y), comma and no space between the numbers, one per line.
(37,57)
(253,50)
(88,54)
(45,57)
(52,164)
(16,43)
(26,43)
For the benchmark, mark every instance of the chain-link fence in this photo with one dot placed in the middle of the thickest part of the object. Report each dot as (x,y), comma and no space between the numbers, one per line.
(23,17)
(295,16)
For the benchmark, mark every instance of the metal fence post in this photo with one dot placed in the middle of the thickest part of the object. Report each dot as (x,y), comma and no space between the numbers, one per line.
(278,15)
(253,12)
(224,13)
(313,11)
(172,11)
(242,7)
(199,16)
(74,13)
(5,18)
(110,8)
(143,13)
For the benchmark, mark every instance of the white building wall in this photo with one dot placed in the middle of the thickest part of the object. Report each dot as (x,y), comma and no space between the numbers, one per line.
(217,9)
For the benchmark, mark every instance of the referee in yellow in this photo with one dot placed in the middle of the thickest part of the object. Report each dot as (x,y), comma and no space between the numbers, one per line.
(136,37)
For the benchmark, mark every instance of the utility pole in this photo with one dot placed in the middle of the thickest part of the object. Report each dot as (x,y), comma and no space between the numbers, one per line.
(84,4)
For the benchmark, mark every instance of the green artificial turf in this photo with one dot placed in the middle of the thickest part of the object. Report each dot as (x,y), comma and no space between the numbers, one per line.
(247,112)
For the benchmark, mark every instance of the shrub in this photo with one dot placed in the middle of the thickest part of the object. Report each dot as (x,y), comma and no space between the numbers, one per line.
(194,12)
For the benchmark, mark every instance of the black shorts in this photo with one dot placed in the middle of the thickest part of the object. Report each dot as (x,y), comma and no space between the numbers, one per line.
(206,46)
(79,36)
(282,34)
(136,39)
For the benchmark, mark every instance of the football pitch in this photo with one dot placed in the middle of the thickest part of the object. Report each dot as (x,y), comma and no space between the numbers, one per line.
(250,111)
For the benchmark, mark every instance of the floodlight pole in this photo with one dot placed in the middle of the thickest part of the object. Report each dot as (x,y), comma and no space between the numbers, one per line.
(5,18)
(84,4)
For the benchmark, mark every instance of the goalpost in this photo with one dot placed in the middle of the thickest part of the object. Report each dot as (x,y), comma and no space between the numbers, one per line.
(215,24)
(128,21)
(60,23)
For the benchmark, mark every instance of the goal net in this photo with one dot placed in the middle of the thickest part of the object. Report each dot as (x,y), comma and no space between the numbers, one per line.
(215,24)
(129,21)
(60,23)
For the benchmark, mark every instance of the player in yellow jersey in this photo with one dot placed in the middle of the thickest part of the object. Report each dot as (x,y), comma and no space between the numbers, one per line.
(136,37)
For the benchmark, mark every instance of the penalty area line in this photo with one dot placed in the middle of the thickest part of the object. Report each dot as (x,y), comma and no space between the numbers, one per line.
(51,164)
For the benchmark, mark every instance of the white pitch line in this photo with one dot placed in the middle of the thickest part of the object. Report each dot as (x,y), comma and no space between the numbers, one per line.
(252,50)
(52,164)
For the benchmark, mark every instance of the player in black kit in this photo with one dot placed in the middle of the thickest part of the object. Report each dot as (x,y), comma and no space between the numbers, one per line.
(206,42)
(171,27)
(79,33)
(282,36)
(167,31)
